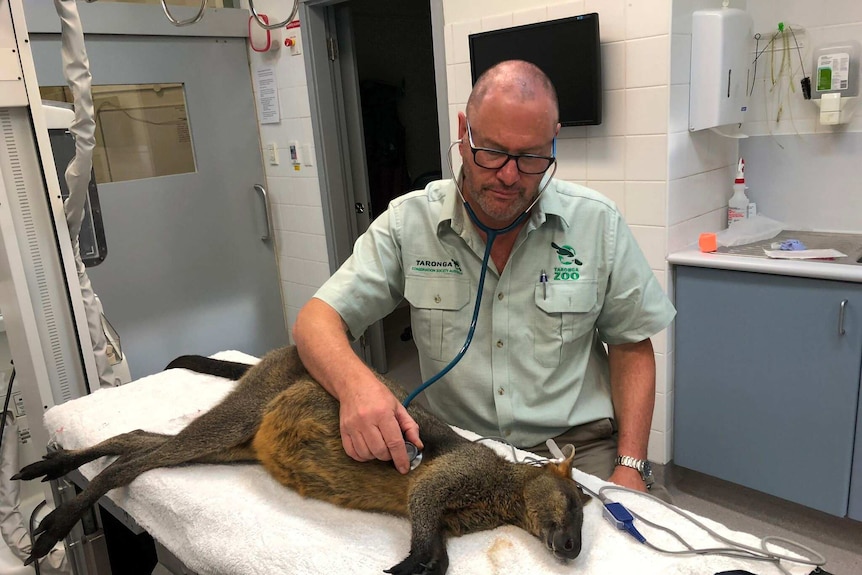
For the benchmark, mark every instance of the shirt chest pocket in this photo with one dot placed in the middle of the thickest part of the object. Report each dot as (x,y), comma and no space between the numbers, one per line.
(440,315)
(565,312)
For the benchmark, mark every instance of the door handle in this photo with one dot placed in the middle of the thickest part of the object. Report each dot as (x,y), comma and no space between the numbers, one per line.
(261,192)
(841,308)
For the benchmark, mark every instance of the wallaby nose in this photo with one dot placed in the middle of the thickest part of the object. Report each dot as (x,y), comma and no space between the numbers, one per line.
(567,546)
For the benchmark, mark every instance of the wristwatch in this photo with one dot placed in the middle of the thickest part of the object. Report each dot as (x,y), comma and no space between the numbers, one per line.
(642,465)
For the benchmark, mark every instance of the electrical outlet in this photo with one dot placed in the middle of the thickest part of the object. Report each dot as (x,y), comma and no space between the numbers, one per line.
(272,152)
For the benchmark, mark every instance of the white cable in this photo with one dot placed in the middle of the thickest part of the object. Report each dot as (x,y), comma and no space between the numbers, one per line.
(736,549)
(76,70)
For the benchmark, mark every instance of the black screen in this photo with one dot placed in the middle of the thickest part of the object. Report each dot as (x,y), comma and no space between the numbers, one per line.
(567,50)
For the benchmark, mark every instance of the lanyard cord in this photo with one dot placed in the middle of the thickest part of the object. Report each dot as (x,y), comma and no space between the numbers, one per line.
(491,236)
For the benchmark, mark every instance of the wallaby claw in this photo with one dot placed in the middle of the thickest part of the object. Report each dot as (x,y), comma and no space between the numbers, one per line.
(415,566)
(52,466)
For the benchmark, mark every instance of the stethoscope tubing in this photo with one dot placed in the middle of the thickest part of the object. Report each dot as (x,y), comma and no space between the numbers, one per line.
(491,235)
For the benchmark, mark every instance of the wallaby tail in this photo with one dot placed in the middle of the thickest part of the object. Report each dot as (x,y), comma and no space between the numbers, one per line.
(209,366)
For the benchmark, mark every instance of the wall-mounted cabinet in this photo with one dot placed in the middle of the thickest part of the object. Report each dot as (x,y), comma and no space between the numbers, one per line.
(767,384)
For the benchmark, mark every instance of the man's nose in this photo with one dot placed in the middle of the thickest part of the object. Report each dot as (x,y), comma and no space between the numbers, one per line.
(508,173)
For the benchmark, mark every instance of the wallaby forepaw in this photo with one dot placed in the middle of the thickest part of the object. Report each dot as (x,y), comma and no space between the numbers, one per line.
(414,565)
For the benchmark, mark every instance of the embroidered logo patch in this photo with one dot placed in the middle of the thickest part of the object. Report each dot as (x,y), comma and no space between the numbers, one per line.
(566,255)
(437,266)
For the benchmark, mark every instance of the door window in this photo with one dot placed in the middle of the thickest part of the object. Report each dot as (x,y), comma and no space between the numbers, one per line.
(142,130)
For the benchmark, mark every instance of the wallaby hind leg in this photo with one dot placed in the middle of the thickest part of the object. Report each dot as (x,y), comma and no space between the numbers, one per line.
(58,463)
(202,441)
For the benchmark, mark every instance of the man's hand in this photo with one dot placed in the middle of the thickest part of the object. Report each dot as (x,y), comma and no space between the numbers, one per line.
(372,422)
(628,477)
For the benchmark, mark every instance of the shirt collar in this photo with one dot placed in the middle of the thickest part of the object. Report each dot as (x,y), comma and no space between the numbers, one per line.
(454,216)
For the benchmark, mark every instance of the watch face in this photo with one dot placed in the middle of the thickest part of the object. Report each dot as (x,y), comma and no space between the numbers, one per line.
(647,468)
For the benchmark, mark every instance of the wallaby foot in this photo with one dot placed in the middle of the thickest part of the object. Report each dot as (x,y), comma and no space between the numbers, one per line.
(434,561)
(54,465)
(58,463)
(52,529)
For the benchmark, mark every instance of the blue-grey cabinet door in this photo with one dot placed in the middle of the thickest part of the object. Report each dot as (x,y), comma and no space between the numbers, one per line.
(854,508)
(766,387)
(186,270)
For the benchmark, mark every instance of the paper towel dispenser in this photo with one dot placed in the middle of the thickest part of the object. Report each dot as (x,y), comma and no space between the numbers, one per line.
(720,67)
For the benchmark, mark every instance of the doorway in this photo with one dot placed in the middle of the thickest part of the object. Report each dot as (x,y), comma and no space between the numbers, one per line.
(379,111)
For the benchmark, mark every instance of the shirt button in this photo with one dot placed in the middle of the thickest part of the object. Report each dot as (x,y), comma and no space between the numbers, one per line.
(501,391)
(500,295)
(507,432)
(437,298)
(500,343)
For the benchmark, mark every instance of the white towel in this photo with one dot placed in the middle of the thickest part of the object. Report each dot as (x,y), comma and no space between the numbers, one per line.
(237,520)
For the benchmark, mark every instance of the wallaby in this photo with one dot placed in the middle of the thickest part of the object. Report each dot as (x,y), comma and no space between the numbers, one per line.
(279,416)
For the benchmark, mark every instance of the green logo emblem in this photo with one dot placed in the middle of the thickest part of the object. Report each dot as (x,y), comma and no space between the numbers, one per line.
(566,255)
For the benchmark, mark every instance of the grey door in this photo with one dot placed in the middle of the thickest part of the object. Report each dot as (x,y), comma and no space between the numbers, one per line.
(186,270)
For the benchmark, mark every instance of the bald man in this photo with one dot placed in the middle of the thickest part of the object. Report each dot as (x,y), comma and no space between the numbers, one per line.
(562,345)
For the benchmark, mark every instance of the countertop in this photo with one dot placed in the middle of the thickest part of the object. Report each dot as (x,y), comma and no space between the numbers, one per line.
(847,270)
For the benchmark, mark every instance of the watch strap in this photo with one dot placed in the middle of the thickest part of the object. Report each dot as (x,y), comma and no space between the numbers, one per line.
(641,465)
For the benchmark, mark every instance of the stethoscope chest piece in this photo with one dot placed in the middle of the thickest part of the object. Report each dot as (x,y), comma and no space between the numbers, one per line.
(413,454)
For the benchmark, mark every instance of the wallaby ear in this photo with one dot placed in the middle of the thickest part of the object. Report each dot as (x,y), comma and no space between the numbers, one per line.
(564,467)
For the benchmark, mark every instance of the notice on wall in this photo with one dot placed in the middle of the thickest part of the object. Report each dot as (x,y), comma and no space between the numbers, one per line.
(266,85)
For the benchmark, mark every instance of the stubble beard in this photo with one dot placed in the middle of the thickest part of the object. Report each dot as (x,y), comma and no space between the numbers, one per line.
(501,212)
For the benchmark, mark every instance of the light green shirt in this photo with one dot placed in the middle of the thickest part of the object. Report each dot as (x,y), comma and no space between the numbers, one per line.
(536,366)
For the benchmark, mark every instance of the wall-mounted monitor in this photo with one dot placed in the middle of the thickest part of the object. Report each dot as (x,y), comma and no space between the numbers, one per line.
(567,50)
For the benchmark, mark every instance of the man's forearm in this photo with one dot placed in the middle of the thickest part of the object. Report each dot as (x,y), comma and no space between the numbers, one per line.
(322,342)
(632,372)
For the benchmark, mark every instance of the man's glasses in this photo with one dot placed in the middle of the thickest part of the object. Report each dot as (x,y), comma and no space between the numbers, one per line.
(491,159)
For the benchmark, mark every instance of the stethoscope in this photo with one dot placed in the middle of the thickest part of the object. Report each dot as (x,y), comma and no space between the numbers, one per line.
(491,235)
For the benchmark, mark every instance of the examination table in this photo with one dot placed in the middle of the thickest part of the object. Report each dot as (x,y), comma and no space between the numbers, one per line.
(236,520)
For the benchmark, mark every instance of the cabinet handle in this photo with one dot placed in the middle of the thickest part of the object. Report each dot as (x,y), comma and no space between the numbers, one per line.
(841,309)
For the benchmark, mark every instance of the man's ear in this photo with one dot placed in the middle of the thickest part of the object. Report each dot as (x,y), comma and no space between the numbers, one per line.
(462,127)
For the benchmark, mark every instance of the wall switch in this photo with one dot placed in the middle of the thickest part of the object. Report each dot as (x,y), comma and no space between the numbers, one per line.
(272,152)
(294,44)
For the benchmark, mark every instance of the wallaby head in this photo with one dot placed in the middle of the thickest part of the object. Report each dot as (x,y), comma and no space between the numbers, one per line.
(555,508)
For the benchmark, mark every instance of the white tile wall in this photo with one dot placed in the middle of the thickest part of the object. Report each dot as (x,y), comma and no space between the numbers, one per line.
(612,18)
(606,158)
(566,9)
(646,203)
(646,110)
(530,16)
(645,19)
(646,157)
(647,62)
(614,65)
(614,115)
(295,208)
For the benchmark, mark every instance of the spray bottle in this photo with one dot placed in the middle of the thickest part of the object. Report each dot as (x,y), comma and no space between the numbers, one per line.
(737,206)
